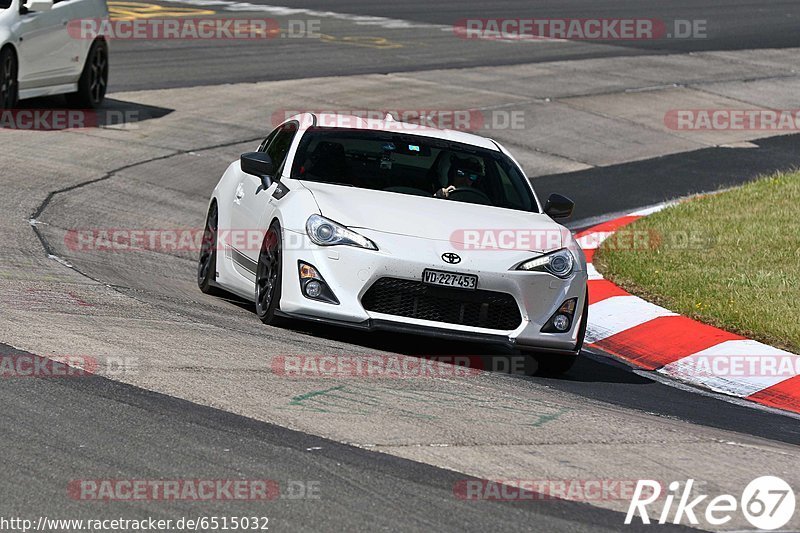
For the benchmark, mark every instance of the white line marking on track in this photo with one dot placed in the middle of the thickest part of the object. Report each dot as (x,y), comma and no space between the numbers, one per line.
(592,272)
(592,241)
(602,357)
(694,389)
(284,11)
(737,383)
(60,260)
(360,20)
(619,313)
(653,209)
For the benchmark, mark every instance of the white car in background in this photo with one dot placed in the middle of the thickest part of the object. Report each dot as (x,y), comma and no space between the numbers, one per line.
(363,223)
(39,56)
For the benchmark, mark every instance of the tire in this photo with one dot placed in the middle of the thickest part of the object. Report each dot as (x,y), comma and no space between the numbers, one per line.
(584,322)
(9,86)
(555,365)
(268,276)
(93,82)
(207,262)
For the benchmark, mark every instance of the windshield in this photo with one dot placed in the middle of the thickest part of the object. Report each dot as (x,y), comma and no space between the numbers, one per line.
(5,4)
(414,165)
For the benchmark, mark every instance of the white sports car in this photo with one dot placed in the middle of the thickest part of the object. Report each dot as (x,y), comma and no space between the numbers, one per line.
(41,54)
(383,225)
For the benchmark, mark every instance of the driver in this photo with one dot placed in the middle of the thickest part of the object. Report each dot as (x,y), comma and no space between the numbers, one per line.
(464,173)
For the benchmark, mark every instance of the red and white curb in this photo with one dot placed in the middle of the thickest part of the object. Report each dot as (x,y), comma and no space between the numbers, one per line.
(653,338)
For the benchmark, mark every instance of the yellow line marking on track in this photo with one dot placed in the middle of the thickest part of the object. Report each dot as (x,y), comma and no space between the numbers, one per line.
(138,10)
(369,42)
(274,32)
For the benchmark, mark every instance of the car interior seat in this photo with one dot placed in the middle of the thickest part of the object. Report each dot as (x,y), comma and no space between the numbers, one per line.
(329,161)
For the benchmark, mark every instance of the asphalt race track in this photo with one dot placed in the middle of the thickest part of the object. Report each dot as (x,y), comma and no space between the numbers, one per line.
(732,25)
(378,492)
(201,400)
(360,47)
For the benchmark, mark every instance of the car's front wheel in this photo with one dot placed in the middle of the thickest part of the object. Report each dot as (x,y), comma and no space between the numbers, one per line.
(207,262)
(9,89)
(554,365)
(94,78)
(268,276)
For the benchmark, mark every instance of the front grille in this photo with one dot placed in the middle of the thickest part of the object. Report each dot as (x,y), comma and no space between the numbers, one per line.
(414,299)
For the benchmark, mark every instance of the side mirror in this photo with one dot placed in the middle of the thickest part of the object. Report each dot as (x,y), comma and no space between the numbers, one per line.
(559,206)
(258,164)
(39,6)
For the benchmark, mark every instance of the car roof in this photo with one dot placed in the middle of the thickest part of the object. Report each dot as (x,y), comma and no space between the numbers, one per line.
(389,124)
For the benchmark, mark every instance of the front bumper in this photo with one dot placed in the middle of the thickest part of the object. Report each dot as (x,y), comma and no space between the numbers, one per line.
(372,325)
(351,271)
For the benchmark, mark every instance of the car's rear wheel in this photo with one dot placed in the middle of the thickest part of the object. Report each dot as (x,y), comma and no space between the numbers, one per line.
(554,365)
(207,263)
(94,78)
(268,276)
(9,88)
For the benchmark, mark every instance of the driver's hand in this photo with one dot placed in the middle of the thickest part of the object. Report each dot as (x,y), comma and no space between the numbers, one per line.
(444,192)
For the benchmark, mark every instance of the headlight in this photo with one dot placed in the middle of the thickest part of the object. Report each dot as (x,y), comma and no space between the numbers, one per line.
(326,232)
(560,263)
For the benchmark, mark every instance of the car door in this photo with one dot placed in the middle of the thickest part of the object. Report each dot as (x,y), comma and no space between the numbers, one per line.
(46,50)
(253,207)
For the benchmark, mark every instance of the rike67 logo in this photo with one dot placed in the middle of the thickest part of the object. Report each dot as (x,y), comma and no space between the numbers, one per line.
(768,503)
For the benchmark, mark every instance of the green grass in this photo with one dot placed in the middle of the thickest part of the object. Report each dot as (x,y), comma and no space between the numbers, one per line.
(741,269)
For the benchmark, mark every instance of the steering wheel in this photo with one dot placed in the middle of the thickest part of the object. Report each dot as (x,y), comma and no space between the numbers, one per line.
(470,196)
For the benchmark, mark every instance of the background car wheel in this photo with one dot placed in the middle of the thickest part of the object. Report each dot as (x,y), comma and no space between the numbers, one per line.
(94,79)
(9,89)
(207,264)
(268,276)
(554,365)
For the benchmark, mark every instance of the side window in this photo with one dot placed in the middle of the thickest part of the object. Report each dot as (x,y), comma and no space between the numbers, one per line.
(278,146)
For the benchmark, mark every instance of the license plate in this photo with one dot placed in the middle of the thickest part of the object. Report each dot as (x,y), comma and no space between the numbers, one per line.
(450,279)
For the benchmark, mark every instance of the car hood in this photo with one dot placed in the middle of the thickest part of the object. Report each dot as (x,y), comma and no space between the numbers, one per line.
(438,219)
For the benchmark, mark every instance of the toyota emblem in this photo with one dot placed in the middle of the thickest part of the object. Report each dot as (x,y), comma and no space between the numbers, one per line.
(451,258)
